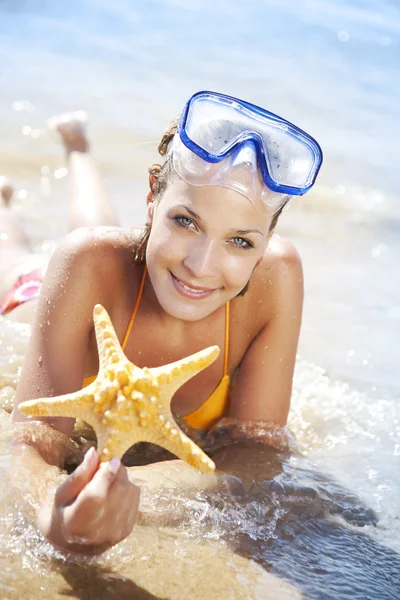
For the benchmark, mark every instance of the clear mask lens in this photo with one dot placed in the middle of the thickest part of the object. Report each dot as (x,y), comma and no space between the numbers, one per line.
(238,171)
(216,126)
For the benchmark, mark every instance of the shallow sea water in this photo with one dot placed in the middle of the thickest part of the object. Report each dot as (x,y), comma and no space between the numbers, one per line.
(323,524)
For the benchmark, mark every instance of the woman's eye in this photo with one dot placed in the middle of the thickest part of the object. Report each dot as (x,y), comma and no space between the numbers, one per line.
(242,242)
(183,221)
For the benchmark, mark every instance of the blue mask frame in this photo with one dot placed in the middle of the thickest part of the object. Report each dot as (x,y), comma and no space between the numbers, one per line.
(255,139)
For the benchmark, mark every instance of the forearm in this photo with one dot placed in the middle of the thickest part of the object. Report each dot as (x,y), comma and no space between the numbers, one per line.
(34,479)
(37,456)
(37,482)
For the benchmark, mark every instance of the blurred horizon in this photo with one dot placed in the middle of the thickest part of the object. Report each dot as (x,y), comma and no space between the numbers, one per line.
(330,67)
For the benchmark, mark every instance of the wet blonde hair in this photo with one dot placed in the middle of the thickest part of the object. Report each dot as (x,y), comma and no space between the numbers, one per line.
(160,176)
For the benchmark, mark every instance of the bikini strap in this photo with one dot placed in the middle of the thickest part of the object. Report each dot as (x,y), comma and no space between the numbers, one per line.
(226,349)
(135,309)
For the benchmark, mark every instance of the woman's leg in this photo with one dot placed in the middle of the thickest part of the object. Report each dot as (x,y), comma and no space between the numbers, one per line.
(88,205)
(6,191)
(14,247)
(88,202)
(13,240)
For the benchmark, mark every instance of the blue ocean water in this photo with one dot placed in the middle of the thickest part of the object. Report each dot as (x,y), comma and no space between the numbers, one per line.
(333,67)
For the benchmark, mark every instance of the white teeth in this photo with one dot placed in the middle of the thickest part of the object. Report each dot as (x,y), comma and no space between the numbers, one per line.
(189,289)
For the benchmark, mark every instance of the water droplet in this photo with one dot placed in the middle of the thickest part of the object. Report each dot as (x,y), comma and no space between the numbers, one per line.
(22,194)
(35,133)
(378,250)
(60,173)
(343,35)
(23,106)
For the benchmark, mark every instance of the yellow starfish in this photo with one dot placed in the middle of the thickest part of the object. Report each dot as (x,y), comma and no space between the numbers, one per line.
(126,404)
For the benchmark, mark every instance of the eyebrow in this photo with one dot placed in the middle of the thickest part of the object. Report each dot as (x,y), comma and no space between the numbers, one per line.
(240,231)
(191,212)
(246,231)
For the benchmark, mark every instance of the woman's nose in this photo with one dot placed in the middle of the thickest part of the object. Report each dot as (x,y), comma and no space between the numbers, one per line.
(202,259)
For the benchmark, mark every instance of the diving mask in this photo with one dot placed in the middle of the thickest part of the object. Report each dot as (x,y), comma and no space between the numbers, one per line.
(228,142)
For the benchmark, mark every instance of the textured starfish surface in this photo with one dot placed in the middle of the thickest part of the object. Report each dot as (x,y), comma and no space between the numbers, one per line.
(126,404)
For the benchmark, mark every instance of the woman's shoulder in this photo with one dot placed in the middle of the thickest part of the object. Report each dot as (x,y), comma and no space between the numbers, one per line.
(279,276)
(90,266)
(99,247)
(103,238)
(281,258)
(97,258)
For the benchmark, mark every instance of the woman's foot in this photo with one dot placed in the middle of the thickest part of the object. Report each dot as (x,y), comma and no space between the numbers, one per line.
(6,191)
(71,128)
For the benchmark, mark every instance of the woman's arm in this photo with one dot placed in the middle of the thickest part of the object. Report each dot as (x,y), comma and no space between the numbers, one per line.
(260,397)
(263,386)
(55,359)
(96,506)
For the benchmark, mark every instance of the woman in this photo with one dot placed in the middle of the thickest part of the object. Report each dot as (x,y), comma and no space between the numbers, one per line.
(207,269)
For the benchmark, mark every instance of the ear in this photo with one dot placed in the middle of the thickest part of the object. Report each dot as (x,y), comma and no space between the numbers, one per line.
(153,183)
(150,208)
(149,198)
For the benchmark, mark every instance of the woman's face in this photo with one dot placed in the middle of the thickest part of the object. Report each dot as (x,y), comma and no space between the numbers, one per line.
(204,244)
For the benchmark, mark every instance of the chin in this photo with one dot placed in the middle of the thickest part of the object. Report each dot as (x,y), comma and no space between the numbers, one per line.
(185,308)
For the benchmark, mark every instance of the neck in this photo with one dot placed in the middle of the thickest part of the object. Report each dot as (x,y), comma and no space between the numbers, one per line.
(152,305)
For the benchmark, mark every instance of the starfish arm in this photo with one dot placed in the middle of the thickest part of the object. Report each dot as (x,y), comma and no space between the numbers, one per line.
(171,437)
(111,444)
(75,405)
(183,447)
(108,344)
(122,429)
(174,440)
(171,377)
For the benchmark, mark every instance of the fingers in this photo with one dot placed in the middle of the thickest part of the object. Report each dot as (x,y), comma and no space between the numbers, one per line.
(96,507)
(103,479)
(124,504)
(105,510)
(83,474)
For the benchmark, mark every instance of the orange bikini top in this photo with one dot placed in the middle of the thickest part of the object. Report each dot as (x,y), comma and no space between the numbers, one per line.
(212,409)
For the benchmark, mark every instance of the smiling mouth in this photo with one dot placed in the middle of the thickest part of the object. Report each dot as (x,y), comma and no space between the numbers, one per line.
(189,291)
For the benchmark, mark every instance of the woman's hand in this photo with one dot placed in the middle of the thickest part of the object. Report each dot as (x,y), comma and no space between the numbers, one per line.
(93,509)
